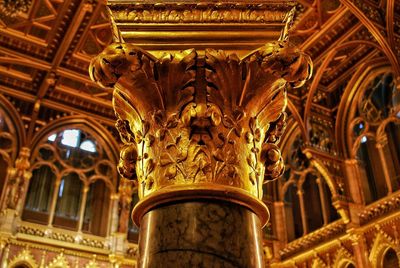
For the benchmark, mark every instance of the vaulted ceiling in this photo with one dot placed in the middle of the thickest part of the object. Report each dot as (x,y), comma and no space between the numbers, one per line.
(45,55)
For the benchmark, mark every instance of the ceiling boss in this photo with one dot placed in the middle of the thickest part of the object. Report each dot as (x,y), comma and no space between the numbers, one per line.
(200,123)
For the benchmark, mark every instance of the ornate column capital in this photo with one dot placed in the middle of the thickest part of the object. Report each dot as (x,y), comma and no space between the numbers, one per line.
(201,124)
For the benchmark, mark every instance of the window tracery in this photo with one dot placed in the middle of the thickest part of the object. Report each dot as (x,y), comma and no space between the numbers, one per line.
(72,182)
(306,196)
(375,134)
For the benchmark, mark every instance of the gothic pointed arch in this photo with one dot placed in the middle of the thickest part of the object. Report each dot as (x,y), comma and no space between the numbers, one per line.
(307,190)
(382,245)
(370,130)
(73,155)
(343,258)
(98,130)
(350,95)
(24,258)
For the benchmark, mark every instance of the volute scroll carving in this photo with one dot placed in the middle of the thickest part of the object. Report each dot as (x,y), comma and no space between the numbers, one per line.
(201,123)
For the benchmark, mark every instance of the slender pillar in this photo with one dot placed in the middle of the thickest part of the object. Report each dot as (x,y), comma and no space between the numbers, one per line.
(384,161)
(82,208)
(354,176)
(360,250)
(200,129)
(300,194)
(323,201)
(53,202)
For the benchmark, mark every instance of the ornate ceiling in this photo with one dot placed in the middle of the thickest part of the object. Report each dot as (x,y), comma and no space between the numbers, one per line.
(45,55)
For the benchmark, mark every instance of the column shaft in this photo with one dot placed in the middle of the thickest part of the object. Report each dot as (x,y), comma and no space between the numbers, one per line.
(201,234)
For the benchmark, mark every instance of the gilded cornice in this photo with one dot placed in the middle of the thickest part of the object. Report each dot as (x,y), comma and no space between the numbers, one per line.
(310,240)
(384,206)
(239,26)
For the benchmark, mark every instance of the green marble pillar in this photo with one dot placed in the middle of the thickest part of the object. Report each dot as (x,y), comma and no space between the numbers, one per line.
(200,234)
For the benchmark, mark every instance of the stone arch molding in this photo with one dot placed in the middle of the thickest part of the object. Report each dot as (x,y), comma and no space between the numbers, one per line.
(25,257)
(85,123)
(318,263)
(59,262)
(382,243)
(343,258)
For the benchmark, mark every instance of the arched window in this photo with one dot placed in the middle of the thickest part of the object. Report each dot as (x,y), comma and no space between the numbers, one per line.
(97,209)
(312,205)
(392,131)
(293,217)
(390,259)
(306,197)
(375,135)
(73,178)
(374,186)
(40,191)
(69,197)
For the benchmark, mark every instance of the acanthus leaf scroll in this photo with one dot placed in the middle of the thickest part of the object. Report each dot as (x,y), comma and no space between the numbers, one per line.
(189,120)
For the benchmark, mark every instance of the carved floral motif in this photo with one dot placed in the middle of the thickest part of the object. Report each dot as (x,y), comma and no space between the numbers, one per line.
(200,13)
(187,119)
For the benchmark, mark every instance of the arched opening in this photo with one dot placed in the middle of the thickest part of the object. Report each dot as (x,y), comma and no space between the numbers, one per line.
(392,149)
(390,259)
(97,209)
(374,185)
(69,197)
(39,196)
(74,176)
(21,265)
(332,214)
(375,133)
(294,223)
(312,204)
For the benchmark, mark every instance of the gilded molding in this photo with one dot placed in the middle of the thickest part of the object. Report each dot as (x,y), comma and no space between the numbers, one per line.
(199,12)
(313,239)
(24,257)
(59,261)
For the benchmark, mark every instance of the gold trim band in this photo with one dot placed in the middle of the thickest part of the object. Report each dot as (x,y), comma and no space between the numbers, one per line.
(200,191)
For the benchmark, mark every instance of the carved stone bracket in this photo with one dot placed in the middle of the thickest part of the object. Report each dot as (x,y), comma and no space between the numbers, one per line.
(201,124)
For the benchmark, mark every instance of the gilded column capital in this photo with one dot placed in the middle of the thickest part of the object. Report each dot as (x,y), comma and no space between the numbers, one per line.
(201,124)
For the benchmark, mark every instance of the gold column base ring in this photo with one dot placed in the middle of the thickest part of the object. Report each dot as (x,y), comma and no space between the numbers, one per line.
(200,191)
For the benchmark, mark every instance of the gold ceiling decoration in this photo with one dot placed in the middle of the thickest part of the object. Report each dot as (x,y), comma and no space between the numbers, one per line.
(11,8)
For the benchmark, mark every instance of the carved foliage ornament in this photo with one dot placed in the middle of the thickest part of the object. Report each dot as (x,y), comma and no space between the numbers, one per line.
(12,7)
(190,121)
